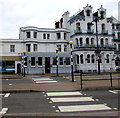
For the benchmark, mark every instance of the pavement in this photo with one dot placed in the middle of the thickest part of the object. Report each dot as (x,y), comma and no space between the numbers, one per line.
(89,82)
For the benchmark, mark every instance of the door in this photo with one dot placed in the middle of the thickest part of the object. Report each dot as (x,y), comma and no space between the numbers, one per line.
(47,64)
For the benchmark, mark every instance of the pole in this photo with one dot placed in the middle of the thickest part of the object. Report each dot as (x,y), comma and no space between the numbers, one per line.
(24,65)
(81,78)
(98,52)
(72,74)
(111,78)
(57,62)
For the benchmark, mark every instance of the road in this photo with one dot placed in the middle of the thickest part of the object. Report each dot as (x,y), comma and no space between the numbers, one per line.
(60,102)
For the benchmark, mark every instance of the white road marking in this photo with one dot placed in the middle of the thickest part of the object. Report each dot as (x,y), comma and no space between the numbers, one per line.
(42,79)
(37,82)
(4,110)
(78,108)
(115,92)
(2,94)
(72,99)
(7,95)
(63,93)
(10,84)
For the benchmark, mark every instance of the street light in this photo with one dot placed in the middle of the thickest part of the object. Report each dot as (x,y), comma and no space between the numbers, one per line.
(24,52)
(71,43)
(57,60)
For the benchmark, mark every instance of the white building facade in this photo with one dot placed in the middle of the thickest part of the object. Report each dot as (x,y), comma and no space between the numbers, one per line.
(40,45)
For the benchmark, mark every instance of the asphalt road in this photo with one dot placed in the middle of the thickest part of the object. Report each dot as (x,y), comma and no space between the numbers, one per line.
(60,102)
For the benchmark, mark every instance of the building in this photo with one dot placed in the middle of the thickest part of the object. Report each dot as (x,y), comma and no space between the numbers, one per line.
(40,45)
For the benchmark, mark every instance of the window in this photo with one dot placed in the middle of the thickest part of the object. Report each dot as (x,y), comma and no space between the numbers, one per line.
(106,41)
(48,36)
(54,61)
(77,57)
(92,41)
(12,48)
(77,42)
(59,48)
(44,36)
(118,34)
(65,48)
(65,35)
(67,60)
(89,26)
(87,41)
(102,13)
(88,12)
(28,34)
(61,60)
(93,58)
(77,26)
(32,61)
(81,42)
(81,59)
(39,61)
(103,27)
(102,41)
(88,58)
(115,46)
(35,34)
(35,46)
(28,46)
(107,58)
(58,35)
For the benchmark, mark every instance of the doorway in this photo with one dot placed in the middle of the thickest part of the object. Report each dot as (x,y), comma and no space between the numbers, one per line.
(47,64)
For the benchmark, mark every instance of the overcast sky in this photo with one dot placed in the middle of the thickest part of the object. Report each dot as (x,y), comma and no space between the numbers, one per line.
(43,13)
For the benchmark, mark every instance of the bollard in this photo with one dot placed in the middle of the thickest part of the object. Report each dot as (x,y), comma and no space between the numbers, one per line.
(111,78)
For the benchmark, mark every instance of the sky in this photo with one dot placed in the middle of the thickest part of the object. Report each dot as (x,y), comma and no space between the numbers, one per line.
(43,13)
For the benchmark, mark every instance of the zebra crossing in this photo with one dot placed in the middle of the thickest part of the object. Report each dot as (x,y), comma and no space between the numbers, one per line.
(44,80)
(5,95)
(74,101)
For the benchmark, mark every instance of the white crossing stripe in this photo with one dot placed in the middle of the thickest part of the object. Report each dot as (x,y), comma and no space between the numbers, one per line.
(115,92)
(45,82)
(78,108)
(4,110)
(2,94)
(72,99)
(63,93)
(7,95)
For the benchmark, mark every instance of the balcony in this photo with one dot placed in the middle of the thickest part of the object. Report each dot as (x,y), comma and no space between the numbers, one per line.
(105,32)
(116,38)
(90,31)
(78,31)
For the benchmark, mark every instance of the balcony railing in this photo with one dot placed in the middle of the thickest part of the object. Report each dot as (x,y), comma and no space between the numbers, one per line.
(104,32)
(94,46)
(116,38)
(90,31)
(79,31)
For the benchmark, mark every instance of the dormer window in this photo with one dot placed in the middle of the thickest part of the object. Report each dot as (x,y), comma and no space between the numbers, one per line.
(88,12)
(77,26)
(102,14)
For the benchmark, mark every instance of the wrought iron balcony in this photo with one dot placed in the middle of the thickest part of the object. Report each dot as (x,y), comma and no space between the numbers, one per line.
(90,31)
(104,32)
(78,31)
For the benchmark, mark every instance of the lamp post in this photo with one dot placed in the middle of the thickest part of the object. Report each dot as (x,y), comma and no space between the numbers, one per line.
(72,74)
(96,19)
(24,52)
(57,60)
